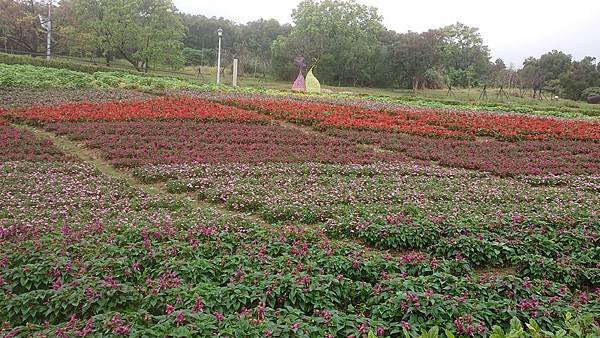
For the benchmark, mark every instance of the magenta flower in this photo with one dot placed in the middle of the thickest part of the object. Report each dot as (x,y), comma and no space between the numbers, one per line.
(198,306)
(180,319)
(169,309)
(122,330)
(87,329)
(261,310)
(405,325)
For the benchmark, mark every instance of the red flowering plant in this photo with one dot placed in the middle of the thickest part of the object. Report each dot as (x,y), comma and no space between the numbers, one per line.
(163,108)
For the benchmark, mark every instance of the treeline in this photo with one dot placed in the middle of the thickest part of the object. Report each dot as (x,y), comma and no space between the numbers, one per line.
(346,40)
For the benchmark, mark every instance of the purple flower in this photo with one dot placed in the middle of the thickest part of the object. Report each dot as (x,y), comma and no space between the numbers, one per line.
(405,325)
(122,330)
(87,329)
(198,306)
(180,318)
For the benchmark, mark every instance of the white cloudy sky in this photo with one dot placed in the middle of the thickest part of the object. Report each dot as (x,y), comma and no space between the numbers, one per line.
(513,29)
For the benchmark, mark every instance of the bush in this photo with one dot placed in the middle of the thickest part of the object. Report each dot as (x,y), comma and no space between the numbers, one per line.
(590,92)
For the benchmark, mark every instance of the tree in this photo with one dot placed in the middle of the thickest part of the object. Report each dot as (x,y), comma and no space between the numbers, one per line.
(554,63)
(202,33)
(580,76)
(20,25)
(255,40)
(466,57)
(140,31)
(531,75)
(415,53)
(340,35)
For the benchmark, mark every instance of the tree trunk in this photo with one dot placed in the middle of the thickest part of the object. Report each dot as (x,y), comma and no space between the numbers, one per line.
(134,63)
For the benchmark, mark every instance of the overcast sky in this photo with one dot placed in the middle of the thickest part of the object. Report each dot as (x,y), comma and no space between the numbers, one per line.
(513,29)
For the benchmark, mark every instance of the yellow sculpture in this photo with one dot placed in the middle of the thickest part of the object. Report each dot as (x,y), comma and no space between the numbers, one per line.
(312,84)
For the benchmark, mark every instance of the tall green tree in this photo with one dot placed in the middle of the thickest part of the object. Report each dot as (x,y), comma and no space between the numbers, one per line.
(467,59)
(413,54)
(554,63)
(580,76)
(340,35)
(143,32)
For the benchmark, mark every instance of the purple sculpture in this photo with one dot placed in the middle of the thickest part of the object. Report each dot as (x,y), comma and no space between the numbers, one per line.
(299,85)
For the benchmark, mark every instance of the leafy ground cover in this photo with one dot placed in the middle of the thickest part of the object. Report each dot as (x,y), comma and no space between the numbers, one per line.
(503,158)
(17,97)
(27,76)
(122,263)
(22,145)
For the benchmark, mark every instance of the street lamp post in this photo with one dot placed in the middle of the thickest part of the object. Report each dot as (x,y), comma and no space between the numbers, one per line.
(220,33)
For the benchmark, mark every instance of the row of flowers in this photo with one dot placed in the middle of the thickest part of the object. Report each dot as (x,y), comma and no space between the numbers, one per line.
(163,108)
(85,255)
(532,157)
(455,214)
(422,122)
(129,144)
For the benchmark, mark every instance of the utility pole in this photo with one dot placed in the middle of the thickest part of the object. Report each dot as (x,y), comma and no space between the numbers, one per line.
(47,25)
(49,35)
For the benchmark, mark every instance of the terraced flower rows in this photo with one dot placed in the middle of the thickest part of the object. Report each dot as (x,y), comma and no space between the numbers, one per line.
(546,231)
(351,240)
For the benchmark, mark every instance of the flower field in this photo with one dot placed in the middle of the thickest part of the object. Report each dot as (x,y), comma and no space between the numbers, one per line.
(263,217)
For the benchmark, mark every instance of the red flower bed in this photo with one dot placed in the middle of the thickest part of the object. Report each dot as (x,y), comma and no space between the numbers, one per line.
(461,125)
(130,144)
(167,108)
(530,157)
(21,145)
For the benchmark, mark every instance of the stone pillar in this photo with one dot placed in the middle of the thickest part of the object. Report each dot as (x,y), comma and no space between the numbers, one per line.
(235,72)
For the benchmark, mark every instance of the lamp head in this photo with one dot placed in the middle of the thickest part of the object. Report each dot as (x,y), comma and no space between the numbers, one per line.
(220,32)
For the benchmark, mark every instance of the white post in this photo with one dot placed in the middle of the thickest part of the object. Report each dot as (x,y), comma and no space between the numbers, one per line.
(235,71)
(220,33)
(49,35)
